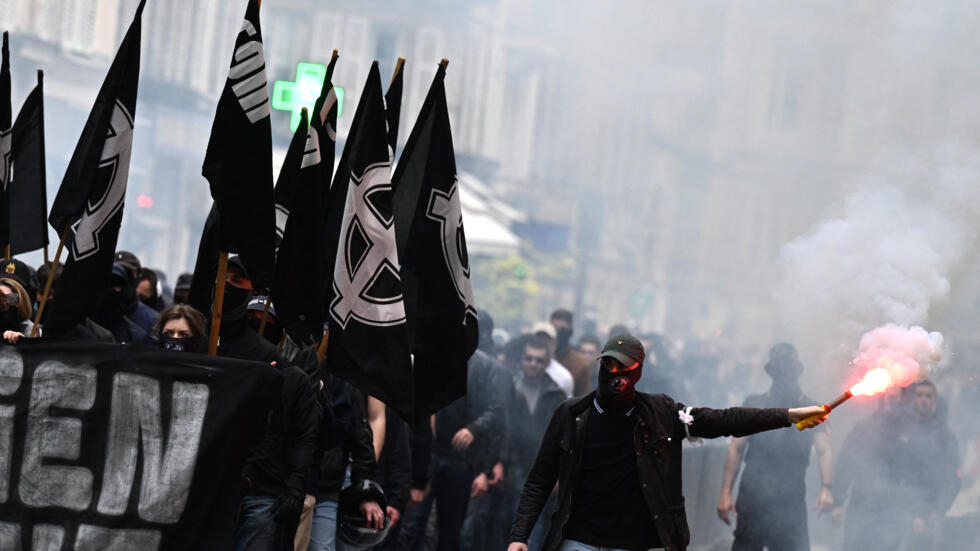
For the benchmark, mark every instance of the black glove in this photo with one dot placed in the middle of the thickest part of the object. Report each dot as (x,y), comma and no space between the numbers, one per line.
(286,508)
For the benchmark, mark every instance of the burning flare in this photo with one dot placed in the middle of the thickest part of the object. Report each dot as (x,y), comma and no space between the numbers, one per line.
(874,382)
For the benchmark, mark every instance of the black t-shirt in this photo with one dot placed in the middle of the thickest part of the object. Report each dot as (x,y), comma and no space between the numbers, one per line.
(608,509)
(776,460)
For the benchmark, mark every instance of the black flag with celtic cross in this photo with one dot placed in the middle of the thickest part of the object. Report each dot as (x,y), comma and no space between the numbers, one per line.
(368,337)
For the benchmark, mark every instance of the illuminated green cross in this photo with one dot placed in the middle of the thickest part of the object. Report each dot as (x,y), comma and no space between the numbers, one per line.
(294,96)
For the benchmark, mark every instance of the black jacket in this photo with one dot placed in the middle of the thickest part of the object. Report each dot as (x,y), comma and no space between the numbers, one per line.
(657,440)
(347,439)
(281,462)
(395,465)
(283,459)
(481,411)
(527,428)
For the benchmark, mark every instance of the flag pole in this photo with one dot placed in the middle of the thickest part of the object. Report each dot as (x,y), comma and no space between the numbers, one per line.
(334,55)
(6,251)
(46,259)
(321,350)
(444,63)
(265,313)
(398,68)
(219,301)
(47,286)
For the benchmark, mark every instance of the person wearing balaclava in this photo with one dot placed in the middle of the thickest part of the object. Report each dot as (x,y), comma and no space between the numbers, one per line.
(771,509)
(616,456)
(121,312)
(276,469)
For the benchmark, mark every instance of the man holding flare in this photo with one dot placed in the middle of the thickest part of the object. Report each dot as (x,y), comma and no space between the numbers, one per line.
(616,456)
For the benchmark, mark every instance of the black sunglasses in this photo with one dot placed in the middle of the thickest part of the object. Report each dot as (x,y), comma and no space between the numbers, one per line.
(536,360)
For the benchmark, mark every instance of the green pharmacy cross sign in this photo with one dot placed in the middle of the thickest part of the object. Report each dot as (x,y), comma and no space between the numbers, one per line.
(294,96)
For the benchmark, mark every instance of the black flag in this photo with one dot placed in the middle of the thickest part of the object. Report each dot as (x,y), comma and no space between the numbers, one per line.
(368,338)
(238,163)
(324,122)
(90,199)
(288,181)
(6,142)
(206,266)
(432,247)
(296,287)
(27,194)
(393,107)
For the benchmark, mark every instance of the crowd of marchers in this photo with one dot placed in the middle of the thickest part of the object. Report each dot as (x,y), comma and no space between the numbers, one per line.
(554,446)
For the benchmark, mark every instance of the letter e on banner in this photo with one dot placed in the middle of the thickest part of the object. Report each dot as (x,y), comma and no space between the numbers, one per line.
(56,385)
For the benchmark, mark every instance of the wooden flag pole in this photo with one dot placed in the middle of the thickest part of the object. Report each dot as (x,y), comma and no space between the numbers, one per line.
(6,251)
(46,260)
(265,313)
(47,286)
(444,63)
(219,301)
(398,68)
(334,55)
(282,342)
(321,350)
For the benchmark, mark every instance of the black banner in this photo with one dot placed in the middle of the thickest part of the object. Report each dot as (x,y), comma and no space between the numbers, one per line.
(114,447)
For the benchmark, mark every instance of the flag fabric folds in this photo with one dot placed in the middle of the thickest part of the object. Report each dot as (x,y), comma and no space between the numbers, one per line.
(206,265)
(393,107)
(368,338)
(238,162)
(90,199)
(434,262)
(27,193)
(6,141)
(295,291)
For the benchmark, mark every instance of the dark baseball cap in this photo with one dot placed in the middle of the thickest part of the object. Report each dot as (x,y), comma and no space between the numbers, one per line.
(625,347)
(183,282)
(21,273)
(129,261)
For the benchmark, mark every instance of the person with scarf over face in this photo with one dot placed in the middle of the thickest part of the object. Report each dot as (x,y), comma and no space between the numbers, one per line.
(771,508)
(121,312)
(616,456)
(276,469)
(15,310)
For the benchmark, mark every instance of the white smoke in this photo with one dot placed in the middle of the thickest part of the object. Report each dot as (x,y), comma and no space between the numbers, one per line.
(889,258)
(907,354)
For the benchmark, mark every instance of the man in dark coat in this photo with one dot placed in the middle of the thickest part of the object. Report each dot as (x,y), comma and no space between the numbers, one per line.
(616,456)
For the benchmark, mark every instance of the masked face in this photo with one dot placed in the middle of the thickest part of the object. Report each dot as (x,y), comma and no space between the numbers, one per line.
(235,302)
(177,335)
(617,382)
(272,332)
(180,344)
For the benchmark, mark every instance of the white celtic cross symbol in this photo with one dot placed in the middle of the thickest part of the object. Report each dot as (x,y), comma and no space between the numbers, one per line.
(366,283)
(115,159)
(444,208)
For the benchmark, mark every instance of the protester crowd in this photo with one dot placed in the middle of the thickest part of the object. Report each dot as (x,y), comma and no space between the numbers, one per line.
(339,470)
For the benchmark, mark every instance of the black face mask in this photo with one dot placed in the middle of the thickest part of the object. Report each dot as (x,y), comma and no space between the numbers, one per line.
(618,388)
(272,333)
(235,302)
(180,344)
